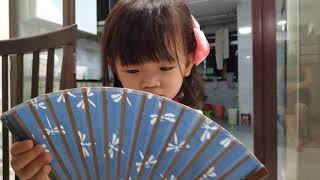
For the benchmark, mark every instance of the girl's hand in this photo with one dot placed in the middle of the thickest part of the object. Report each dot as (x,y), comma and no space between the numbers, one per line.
(30,161)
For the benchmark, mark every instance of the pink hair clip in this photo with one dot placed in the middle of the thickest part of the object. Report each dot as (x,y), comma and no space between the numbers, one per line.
(203,47)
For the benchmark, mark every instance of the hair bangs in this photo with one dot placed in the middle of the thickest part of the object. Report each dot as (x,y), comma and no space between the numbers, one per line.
(146,35)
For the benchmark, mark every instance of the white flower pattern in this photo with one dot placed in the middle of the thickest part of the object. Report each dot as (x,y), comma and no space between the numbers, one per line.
(61,97)
(38,105)
(210,173)
(117,97)
(150,96)
(81,103)
(53,131)
(226,142)
(147,164)
(84,144)
(172,177)
(113,146)
(208,128)
(176,146)
(165,117)
(124,179)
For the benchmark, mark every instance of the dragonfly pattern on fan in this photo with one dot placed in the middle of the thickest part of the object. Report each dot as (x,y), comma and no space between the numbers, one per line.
(117,133)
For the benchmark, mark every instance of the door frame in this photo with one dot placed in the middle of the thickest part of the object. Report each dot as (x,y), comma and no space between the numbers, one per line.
(265,83)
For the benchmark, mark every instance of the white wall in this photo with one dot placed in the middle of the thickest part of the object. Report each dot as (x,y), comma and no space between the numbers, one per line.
(245,66)
(4,19)
(50,10)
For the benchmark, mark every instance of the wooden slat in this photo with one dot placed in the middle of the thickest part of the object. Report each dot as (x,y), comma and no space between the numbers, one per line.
(16,80)
(13,29)
(35,75)
(105,74)
(4,83)
(50,71)
(5,152)
(68,76)
(19,80)
(5,132)
(66,36)
(69,12)
(13,19)
(16,86)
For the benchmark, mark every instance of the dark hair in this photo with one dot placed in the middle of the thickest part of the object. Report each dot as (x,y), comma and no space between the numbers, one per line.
(138,31)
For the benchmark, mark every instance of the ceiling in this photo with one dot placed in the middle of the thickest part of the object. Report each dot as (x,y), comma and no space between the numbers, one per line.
(214,12)
(209,9)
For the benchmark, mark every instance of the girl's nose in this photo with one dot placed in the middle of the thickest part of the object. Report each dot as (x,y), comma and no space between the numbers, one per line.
(150,82)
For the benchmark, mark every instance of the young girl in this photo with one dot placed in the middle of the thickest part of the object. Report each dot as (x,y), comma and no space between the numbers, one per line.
(151,45)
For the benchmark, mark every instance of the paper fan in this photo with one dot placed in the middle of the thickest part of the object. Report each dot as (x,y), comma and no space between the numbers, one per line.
(115,133)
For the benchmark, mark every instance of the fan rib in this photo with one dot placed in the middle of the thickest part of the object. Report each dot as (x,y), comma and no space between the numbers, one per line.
(163,151)
(22,126)
(136,133)
(188,139)
(55,174)
(198,154)
(106,136)
(243,160)
(89,123)
(122,121)
(151,140)
(29,135)
(66,146)
(213,162)
(74,130)
(38,120)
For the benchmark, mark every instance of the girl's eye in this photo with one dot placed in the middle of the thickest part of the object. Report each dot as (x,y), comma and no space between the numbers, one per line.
(166,68)
(133,71)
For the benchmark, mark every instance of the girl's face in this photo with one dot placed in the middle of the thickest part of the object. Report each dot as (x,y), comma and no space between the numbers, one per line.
(164,78)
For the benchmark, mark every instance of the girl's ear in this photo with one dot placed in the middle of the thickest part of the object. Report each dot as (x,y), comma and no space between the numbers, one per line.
(189,64)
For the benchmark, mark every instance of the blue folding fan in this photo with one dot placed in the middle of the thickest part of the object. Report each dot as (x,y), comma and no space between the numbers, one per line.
(115,133)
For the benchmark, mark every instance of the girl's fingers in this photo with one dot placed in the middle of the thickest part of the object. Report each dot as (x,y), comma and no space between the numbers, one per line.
(18,162)
(21,147)
(37,167)
(43,173)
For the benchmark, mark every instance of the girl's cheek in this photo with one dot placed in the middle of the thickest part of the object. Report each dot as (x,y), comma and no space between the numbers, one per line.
(136,82)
